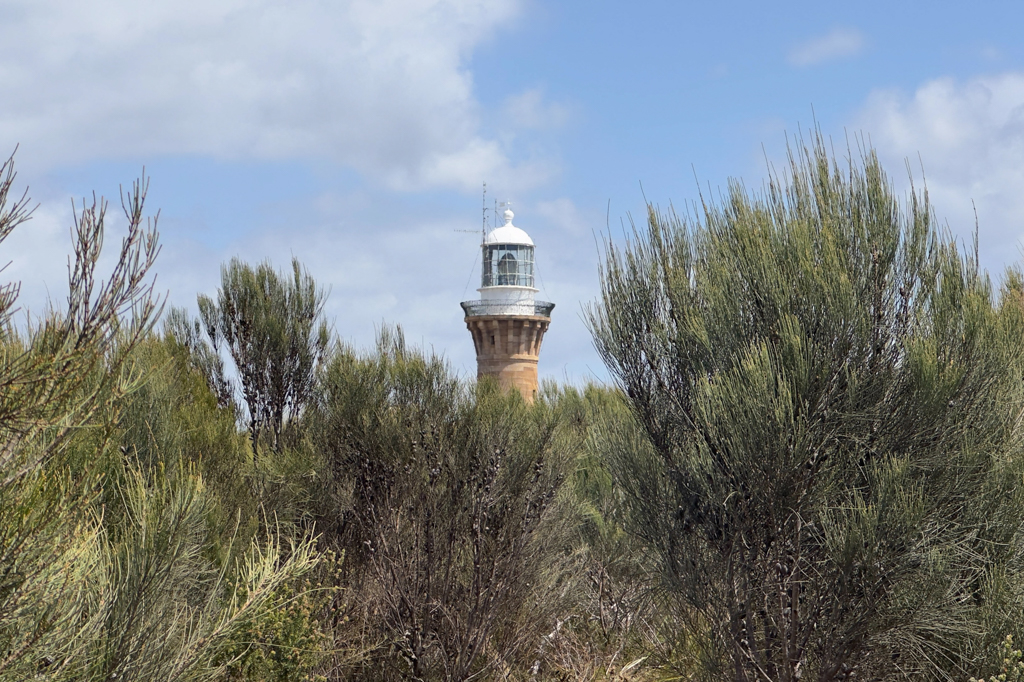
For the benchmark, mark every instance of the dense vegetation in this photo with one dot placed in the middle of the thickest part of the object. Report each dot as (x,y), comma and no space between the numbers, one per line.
(810,467)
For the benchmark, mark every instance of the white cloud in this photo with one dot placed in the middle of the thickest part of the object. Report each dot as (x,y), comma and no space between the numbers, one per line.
(380,85)
(411,269)
(530,110)
(47,232)
(970,138)
(838,43)
(564,215)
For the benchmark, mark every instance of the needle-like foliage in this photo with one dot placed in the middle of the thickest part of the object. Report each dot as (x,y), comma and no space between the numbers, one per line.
(105,568)
(273,329)
(828,394)
(453,495)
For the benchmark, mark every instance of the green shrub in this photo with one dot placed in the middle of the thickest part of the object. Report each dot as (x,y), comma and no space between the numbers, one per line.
(1012,667)
(827,453)
(448,501)
(287,641)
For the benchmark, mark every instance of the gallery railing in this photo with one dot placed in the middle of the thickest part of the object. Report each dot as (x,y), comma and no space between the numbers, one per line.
(476,308)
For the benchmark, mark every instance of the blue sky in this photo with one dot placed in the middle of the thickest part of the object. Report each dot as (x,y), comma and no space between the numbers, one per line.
(355,135)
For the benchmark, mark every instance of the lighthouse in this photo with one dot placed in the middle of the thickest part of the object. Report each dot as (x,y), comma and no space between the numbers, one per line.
(508,323)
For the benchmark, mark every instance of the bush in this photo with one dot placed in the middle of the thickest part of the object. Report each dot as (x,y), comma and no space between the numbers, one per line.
(448,502)
(828,394)
(286,641)
(106,565)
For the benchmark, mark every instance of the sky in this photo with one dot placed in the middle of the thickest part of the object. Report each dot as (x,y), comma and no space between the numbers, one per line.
(356,135)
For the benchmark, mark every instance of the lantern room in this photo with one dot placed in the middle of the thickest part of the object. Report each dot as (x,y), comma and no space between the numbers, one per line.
(507,257)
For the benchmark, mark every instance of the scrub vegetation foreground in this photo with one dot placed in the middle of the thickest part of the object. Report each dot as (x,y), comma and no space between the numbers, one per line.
(809,466)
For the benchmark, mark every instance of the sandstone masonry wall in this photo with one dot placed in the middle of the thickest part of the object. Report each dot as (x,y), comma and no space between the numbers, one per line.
(508,347)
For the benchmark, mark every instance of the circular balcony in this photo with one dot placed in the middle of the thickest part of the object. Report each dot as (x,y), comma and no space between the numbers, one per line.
(497,307)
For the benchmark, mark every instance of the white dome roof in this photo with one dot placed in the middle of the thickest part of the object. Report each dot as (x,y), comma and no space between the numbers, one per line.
(508,233)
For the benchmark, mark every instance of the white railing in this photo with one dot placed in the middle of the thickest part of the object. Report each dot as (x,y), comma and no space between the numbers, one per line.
(477,308)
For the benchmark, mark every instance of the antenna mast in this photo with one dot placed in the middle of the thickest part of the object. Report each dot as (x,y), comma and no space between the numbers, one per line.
(483,229)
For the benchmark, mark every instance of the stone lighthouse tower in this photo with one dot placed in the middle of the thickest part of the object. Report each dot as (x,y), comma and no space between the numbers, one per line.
(508,323)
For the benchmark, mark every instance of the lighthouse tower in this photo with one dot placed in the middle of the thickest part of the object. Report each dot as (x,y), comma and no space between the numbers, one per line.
(508,323)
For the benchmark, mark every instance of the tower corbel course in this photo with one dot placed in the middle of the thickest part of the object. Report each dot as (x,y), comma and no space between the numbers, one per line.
(508,323)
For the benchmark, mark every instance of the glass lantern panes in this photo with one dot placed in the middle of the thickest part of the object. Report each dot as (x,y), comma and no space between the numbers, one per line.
(508,265)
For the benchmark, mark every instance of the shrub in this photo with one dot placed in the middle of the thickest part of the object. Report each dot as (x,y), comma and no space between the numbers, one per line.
(829,399)
(447,501)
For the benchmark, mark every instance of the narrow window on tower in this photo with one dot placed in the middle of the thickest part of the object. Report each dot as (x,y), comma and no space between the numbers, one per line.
(492,339)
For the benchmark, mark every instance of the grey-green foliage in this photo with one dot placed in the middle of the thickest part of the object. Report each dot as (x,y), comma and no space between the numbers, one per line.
(175,418)
(187,407)
(106,569)
(828,459)
(189,332)
(66,367)
(160,608)
(56,379)
(273,330)
(447,499)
